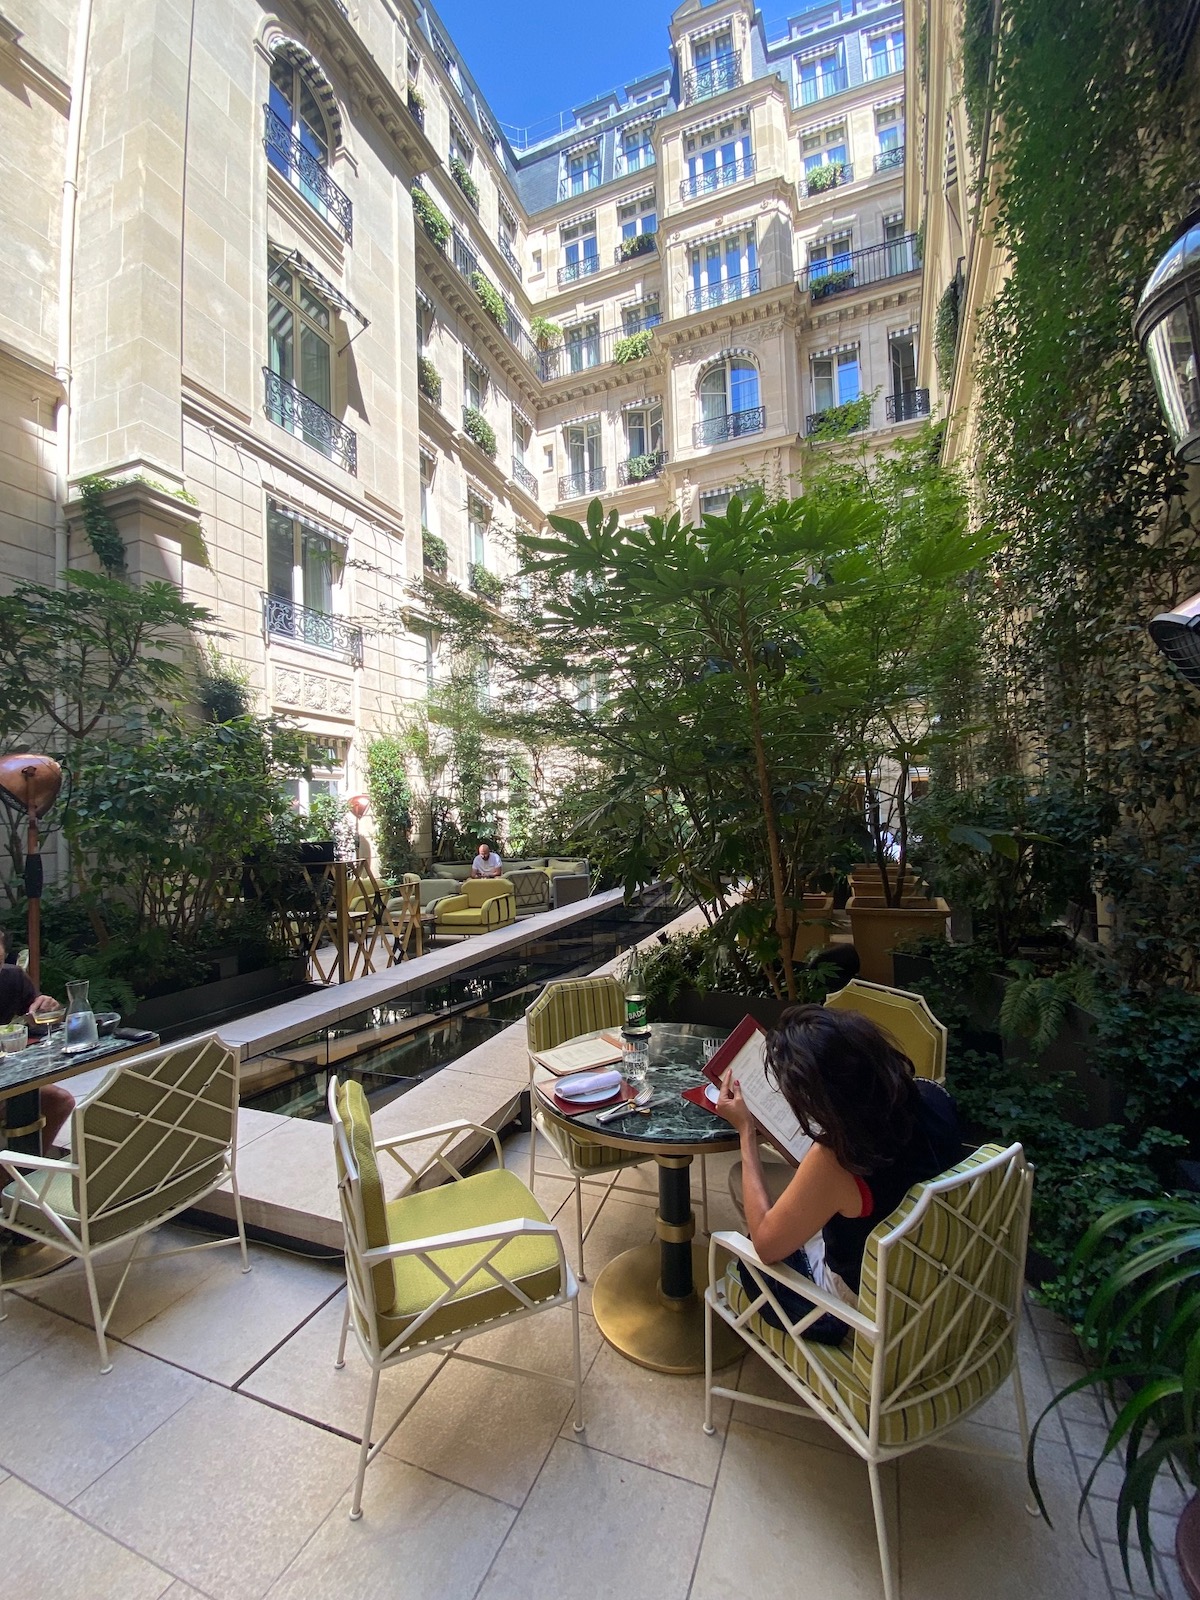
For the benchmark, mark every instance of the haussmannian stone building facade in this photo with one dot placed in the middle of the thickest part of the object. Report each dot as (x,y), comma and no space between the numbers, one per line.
(281,274)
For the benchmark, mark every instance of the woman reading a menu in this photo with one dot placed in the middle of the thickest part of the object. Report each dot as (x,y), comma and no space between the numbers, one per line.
(876,1129)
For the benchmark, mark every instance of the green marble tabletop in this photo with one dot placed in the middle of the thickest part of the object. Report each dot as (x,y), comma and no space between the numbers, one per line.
(674,1060)
(46,1062)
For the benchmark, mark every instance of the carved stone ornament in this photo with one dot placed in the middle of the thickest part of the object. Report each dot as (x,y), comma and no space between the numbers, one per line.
(287,687)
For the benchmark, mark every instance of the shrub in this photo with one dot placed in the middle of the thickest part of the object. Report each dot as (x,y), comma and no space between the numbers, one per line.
(391,803)
(485,584)
(831,283)
(826,177)
(429,379)
(544,333)
(489,298)
(416,104)
(634,347)
(431,217)
(479,430)
(461,174)
(838,421)
(435,557)
(640,467)
(638,245)
(945,331)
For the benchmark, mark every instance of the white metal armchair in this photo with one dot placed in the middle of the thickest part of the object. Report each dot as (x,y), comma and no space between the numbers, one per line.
(436,1266)
(934,1333)
(156,1135)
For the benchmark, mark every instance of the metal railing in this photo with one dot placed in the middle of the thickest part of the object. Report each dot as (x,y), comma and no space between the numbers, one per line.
(289,157)
(465,258)
(718,294)
(507,252)
(284,619)
(704,82)
(717,178)
(858,268)
(813,183)
(290,408)
(823,85)
(577,483)
(906,407)
(734,425)
(644,244)
(583,268)
(523,476)
(818,421)
(580,352)
(884,64)
(887,159)
(415,111)
(581,183)
(641,469)
(623,166)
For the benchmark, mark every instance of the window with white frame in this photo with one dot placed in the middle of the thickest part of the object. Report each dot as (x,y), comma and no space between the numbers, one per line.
(712,53)
(889,137)
(643,430)
(718,156)
(637,147)
(296,115)
(884,52)
(836,379)
(825,147)
(581,342)
(902,364)
(829,255)
(584,455)
(729,389)
(714,502)
(428,468)
(580,251)
(424,325)
(821,74)
(304,562)
(582,170)
(724,269)
(522,434)
(475,383)
(461,148)
(479,515)
(326,759)
(639,216)
(640,314)
(300,353)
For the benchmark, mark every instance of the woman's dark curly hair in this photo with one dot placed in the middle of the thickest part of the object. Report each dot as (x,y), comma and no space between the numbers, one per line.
(850,1087)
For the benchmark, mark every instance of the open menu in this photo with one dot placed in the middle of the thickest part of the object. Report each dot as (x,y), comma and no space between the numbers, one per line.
(581,1054)
(745,1052)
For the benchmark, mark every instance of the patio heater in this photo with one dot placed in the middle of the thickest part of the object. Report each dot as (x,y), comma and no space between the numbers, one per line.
(1167,324)
(29,785)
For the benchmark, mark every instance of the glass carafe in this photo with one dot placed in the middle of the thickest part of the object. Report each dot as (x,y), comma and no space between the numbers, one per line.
(79,1025)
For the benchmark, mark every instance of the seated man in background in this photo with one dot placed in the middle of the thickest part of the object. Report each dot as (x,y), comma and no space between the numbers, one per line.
(19,998)
(487,864)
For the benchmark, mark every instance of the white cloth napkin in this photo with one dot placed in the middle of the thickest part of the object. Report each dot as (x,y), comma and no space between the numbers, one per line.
(581,1083)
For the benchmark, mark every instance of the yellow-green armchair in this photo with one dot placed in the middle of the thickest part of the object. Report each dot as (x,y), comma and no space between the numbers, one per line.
(484,905)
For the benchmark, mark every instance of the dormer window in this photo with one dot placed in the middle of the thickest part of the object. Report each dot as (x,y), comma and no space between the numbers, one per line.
(582,171)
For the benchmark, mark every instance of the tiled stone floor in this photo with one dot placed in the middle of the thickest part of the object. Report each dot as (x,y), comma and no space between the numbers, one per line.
(217,1457)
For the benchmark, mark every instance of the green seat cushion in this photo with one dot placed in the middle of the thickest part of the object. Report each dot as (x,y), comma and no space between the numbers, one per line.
(356,1117)
(116,1220)
(531,1260)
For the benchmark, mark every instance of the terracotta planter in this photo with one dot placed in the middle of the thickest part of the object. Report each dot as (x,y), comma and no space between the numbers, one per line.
(878,928)
(865,879)
(1187,1547)
(816,928)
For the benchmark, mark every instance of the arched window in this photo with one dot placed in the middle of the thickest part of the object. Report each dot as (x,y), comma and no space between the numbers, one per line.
(729,401)
(302,131)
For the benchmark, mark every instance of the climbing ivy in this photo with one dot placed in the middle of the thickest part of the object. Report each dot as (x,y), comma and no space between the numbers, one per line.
(100,525)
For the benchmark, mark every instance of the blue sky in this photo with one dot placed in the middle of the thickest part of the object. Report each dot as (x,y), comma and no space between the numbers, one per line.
(536,58)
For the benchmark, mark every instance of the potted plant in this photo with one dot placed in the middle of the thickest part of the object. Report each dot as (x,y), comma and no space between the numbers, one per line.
(461,174)
(825,177)
(435,557)
(1142,1333)
(633,347)
(544,332)
(429,379)
(489,298)
(431,217)
(479,430)
(637,245)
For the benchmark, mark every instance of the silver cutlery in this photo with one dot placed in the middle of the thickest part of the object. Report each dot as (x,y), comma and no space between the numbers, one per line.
(640,1102)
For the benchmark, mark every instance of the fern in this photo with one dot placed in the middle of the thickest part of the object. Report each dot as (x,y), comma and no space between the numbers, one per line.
(1035,1007)
(106,991)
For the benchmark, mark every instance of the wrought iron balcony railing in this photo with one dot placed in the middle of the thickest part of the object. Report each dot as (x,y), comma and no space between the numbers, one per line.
(581,351)
(577,483)
(734,425)
(857,269)
(835,420)
(641,469)
(583,268)
(884,64)
(886,160)
(284,619)
(301,168)
(465,258)
(641,244)
(717,178)
(702,84)
(718,294)
(823,85)
(506,251)
(290,408)
(523,476)
(830,176)
(906,407)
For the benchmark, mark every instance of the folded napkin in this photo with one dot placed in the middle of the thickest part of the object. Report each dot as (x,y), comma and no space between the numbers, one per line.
(580,1083)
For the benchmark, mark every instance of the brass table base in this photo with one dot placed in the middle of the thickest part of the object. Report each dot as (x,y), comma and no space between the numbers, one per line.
(664,1335)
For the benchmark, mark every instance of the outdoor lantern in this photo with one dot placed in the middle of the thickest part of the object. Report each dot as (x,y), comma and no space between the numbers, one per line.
(359,804)
(1177,635)
(1167,324)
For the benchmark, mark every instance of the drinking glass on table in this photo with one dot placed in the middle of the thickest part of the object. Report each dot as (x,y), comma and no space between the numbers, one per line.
(709,1048)
(635,1061)
(14,1036)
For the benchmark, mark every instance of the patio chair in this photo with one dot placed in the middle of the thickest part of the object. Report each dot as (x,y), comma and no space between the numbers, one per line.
(436,1266)
(934,1334)
(563,1010)
(905,1017)
(155,1136)
(484,905)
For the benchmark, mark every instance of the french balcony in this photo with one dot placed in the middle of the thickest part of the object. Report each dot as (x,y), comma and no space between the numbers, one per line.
(636,161)
(851,416)
(641,469)
(506,251)
(640,244)
(906,407)
(889,160)
(306,173)
(858,269)
(719,294)
(704,82)
(465,258)
(579,183)
(583,268)
(591,481)
(291,409)
(830,176)
(717,178)
(580,352)
(295,624)
(884,64)
(522,476)
(734,425)
(824,85)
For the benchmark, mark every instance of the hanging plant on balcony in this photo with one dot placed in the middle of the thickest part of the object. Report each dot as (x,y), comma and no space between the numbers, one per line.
(416,104)
(485,584)
(435,557)
(945,331)
(826,177)
(639,468)
(544,332)
(489,298)
(461,174)
(479,430)
(831,283)
(634,347)
(836,422)
(432,219)
(429,380)
(638,245)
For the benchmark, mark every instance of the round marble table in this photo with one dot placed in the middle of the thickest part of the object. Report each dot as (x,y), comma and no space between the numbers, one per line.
(648,1302)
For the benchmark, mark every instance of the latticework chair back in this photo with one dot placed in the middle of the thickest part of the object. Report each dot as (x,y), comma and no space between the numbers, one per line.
(159,1129)
(573,1006)
(942,1281)
(904,1017)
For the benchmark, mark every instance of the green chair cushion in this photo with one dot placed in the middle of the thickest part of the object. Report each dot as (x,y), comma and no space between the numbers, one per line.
(356,1115)
(531,1260)
(139,1211)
